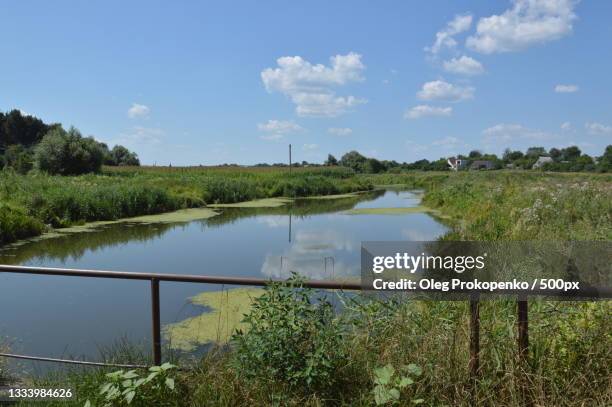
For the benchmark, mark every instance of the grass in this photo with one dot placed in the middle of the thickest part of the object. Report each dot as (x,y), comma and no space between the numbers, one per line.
(31,204)
(570,342)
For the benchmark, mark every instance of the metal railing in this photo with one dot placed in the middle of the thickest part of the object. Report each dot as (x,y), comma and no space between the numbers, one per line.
(156,278)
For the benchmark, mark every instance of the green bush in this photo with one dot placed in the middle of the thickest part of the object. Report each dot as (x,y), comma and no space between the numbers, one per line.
(290,339)
(15,225)
(68,153)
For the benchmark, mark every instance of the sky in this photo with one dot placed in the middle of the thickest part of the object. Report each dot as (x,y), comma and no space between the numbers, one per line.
(192,82)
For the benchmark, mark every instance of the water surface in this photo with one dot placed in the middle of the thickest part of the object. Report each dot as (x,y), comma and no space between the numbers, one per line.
(69,316)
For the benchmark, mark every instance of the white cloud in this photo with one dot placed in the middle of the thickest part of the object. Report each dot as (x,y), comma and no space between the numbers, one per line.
(444,91)
(340,131)
(566,88)
(464,66)
(512,132)
(426,110)
(138,110)
(598,129)
(566,126)
(278,129)
(310,147)
(141,135)
(279,126)
(527,23)
(310,87)
(444,38)
(416,147)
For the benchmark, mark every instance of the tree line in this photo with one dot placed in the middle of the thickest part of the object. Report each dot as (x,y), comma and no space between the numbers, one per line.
(570,159)
(27,143)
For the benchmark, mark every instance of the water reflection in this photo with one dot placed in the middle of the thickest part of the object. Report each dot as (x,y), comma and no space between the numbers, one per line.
(60,316)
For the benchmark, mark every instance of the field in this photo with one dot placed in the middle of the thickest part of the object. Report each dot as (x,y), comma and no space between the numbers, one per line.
(315,357)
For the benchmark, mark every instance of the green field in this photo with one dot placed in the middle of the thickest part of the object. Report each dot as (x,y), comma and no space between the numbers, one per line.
(570,343)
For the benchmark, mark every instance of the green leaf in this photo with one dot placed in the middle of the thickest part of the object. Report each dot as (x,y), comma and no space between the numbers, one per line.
(130,375)
(384,374)
(395,394)
(406,381)
(87,404)
(414,369)
(418,401)
(105,388)
(130,396)
(170,383)
(167,366)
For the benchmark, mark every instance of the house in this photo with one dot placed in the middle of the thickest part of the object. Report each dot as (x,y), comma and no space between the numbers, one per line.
(456,163)
(541,161)
(482,165)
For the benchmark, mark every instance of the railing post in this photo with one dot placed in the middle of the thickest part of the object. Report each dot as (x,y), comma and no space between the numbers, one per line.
(474,336)
(523,328)
(155,318)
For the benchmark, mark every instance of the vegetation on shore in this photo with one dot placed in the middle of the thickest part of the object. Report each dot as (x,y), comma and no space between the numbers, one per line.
(33,203)
(297,352)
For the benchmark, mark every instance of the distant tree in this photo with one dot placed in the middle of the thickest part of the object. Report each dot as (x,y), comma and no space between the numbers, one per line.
(373,166)
(353,160)
(605,161)
(511,156)
(68,153)
(536,152)
(18,158)
(555,154)
(121,156)
(570,153)
(475,154)
(331,160)
(17,128)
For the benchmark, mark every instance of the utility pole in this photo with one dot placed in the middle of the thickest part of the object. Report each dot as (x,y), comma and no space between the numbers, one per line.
(289,158)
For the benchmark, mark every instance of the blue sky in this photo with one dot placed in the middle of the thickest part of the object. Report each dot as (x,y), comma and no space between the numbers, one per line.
(214,82)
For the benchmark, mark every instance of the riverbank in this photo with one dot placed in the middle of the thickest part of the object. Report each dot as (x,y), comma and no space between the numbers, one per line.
(35,203)
(569,342)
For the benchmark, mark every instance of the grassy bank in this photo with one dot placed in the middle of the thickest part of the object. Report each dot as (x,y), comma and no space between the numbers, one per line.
(30,204)
(299,353)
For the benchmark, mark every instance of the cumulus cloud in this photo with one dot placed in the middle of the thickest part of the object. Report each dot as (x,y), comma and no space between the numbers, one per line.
(272,137)
(566,88)
(566,126)
(426,110)
(310,147)
(512,132)
(444,37)
(527,23)
(340,131)
(598,129)
(464,66)
(444,91)
(311,87)
(138,110)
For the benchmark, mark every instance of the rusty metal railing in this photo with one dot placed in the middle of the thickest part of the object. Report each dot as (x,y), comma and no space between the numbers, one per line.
(156,278)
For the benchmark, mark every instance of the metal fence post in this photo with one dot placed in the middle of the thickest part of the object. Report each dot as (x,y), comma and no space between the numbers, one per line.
(156,325)
(523,328)
(474,336)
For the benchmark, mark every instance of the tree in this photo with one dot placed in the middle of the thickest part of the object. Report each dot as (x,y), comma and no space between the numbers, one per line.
(570,153)
(17,128)
(353,160)
(19,158)
(331,160)
(373,166)
(555,154)
(123,157)
(535,152)
(511,156)
(475,154)
(68,153)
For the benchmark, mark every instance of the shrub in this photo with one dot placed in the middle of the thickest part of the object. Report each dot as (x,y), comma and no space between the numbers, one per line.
(290,339)
(68,153)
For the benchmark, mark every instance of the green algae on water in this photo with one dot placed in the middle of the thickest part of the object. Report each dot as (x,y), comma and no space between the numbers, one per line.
(257,203)
(226,311)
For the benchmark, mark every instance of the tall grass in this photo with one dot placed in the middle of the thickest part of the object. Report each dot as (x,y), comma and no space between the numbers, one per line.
(29,203)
